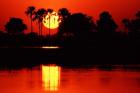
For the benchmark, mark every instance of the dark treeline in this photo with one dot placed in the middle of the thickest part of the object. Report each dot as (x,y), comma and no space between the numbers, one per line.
(77,29)
(82,30)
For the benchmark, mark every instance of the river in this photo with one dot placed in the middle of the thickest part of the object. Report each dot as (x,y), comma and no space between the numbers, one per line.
(58,79)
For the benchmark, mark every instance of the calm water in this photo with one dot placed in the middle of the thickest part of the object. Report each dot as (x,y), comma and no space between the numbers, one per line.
(56,79)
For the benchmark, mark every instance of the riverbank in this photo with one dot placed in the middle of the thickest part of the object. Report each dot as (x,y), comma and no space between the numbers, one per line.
(67,56)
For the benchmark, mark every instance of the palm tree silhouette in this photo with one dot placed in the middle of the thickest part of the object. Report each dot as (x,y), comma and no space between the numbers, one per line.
(49,12)
(39,15)
(30,12)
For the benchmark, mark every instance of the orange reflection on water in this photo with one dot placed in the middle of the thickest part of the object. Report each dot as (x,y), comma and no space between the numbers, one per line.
(50,77)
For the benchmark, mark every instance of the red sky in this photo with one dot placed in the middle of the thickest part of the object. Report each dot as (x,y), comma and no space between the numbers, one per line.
(118,8)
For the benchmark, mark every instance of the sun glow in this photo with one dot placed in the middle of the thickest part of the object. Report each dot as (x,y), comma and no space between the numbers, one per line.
(50,77)
(51,20)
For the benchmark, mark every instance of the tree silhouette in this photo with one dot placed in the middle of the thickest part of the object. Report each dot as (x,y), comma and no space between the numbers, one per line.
(133,25)
(135,31)
(106,23)
(15,26)
(30,12)
(63,13)
(76,27)
(39,15)
(136,23)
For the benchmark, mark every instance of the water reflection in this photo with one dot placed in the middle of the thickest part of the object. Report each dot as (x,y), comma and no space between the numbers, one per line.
(50,77)
(50,47)
(44,79)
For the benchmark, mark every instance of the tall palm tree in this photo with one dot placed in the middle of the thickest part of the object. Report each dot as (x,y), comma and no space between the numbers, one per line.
(30,12)
(39,16)
(49,11)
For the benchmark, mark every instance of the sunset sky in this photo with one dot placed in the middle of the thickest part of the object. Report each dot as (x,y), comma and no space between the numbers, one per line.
(118,8)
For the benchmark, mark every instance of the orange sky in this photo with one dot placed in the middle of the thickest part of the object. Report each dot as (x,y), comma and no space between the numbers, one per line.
(118,8)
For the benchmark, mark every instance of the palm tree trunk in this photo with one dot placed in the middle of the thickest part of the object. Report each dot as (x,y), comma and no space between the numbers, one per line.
(49,26)
(49,31)
(31,23)
(41,29)
(31,26)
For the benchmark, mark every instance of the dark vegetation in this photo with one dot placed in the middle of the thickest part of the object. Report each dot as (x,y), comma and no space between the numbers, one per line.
(82,40)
